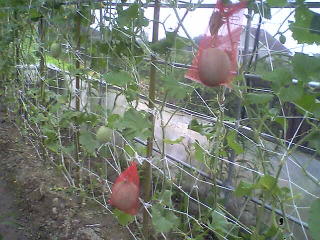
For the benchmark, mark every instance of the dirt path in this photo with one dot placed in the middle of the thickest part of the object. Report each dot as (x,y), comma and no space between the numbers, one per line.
(14,222)
(35,203)
(10,221)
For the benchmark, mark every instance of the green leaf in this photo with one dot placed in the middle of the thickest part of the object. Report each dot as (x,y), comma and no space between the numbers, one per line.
(306,67)
(169,141)
(113,119)
(313,221)
(232,142)
(34,14)
(135,124)
(279,77)
(277,3)
(314,140)
(308,102)
(258,98)
(88,141)
(200,154)
(163,220)
(165,198)
(291,93)
(195,126)
(120,79)
(269,183)
(244,189)
(302,25)
(128,149)
(173,87)
(272,231)
(265,9)
(282,121)
(315,23)
(221,225)
(123,218)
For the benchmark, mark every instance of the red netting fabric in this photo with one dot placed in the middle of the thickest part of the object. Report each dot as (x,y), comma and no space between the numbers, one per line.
(126,190)
(223,33)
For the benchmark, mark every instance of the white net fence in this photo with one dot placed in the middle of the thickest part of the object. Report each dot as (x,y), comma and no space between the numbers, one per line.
(225,165)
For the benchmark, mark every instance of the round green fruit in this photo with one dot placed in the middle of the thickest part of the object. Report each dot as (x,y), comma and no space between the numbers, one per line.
(55,50)
(104,134)
(282,39)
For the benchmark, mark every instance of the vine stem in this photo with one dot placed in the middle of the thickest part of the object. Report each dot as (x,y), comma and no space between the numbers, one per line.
(147,174)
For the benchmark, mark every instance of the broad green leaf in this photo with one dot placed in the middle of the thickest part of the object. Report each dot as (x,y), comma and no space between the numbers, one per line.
(195,126)
(120,79)
(291,93)
(135,124)
(88,141)
(123,218)
(259,98)
(314,217)
(200,154)
(308,102)
(129,150)
(165,198)
(272,231)
(173,87)
(86,118)
(163,219)
(126,16)
(315,23)
(314,140)
(265,9)
(282,121)
(244,189)
(132,92)
(34,14)
(175,141)
(277,3)
(301,28)
(113,119)
(171,41)
(104,151)
(221,225)
(306,67)
(269,184)
(279,77)
(232,142)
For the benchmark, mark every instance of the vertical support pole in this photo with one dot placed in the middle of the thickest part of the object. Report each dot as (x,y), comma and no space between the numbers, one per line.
(247,41)
(147,184)
(42,72)
(77,91)
(16,45)
(42,59)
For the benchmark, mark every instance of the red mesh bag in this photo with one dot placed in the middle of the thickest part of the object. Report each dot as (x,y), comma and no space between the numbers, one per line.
(216,61)
(125,191)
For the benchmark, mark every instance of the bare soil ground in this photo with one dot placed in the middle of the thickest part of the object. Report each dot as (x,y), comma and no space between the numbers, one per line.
(33,204)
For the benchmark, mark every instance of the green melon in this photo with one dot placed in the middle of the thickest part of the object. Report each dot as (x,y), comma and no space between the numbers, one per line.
(104,134)
(55,50)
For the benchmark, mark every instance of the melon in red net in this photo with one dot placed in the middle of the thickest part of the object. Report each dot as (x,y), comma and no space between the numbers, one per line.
(126,190)
(214,67)
(216,61)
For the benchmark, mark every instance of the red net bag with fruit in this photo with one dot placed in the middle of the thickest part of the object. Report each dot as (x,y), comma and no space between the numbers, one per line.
(126,190)
(216,61)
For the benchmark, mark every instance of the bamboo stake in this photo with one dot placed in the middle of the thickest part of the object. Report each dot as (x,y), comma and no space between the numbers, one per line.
(77,65)
(147,174)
